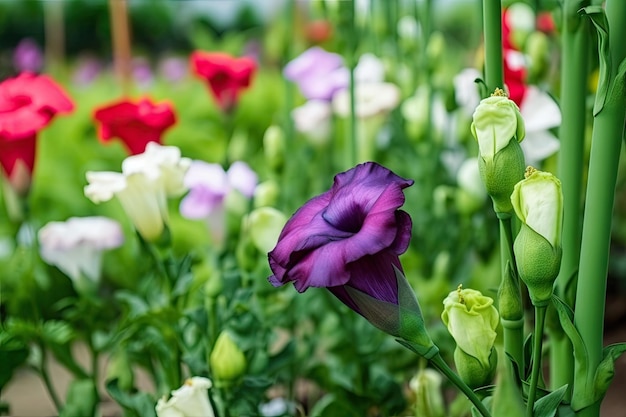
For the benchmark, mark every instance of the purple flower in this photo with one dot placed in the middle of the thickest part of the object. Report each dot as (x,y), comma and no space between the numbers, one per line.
(27,56)
(348,238)
(173,69)
(319,74)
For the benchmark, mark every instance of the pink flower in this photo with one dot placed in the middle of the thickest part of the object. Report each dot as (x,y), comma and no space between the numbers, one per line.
(135,123)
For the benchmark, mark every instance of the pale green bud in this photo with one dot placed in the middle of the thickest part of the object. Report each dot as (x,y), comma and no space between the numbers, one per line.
(538,202)
(274,147)
(472,371)
(266,194)
(509,298)
(498,127)
(471,193)
(538,49)
(426,386)
(264,225)
(210,276)
(227,361)
(118,367)
(472,320)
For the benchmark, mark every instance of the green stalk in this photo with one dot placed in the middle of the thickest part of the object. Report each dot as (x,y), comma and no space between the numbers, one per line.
(608,132)
(492,30)
(438,362)
(540,319)
(575,54)
(45,376)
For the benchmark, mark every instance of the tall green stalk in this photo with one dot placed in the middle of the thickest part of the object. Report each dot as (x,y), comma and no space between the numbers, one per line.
(492,30)
(574,57)
(540,319)
(608,132)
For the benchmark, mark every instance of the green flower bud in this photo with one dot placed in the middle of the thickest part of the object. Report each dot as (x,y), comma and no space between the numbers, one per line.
(509,298)
(274,147)
(210,276)
(538,49)
(471,193)
(472,371)
(228,363)
(498,127)
(266,194)
(426,386)
(538,202)
(472,320)
(118,367)
(264,225)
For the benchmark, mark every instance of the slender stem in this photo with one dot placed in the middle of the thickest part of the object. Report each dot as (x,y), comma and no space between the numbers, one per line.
(513,327)
(438,362)
(608,132)
(492,30)
(540,319)
(575,54)
(43,371)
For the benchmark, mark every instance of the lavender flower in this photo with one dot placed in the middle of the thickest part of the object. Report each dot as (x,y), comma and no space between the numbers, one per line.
(319,74)
(27,56)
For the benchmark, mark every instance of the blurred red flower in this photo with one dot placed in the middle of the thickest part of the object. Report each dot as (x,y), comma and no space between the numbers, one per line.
(226,76)
(514,66)
(28,103)
(135,123)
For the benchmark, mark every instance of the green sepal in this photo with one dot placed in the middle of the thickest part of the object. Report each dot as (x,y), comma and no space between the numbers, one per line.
(507,400)
(582,395)
(403,320)
(599,20)
(547,406)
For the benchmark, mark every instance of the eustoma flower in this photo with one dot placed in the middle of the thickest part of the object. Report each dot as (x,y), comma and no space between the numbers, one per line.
(75,246)
(135,123)
(190,400)
(226,76)
(319,74)
(28,103)
(210,187)
(348,240)
(142,187)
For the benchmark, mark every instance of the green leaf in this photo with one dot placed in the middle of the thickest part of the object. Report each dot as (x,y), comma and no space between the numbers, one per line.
(331,406)
(581,395)
(141,403)
(599,20)
(13,354)
(548,405)
(82,399)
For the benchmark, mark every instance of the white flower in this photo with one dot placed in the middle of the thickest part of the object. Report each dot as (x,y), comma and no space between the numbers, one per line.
(466,90)
(468,179)
(76,245)
(371,99)
(369,69)
(142,188)
(190,400)
(313,120)
(540,113)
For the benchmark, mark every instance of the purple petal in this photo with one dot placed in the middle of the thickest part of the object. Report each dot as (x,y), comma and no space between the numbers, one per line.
(200,203)
(242,178)
(313,61)
(211,176)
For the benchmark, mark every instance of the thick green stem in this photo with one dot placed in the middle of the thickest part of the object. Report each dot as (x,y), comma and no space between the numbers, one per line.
(608,132)
(492,31)
(540,319)
(438,362)
(575,54)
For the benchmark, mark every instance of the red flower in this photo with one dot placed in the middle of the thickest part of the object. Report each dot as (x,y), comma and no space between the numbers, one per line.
(135,124)
(27,104)
(227,76)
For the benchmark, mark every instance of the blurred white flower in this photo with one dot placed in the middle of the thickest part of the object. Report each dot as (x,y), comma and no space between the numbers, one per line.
(468,179)
(371,99)
(369,69)
(75,246)
(313,120)
(466,90)
(277,407)
(142,187)
(190,400)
